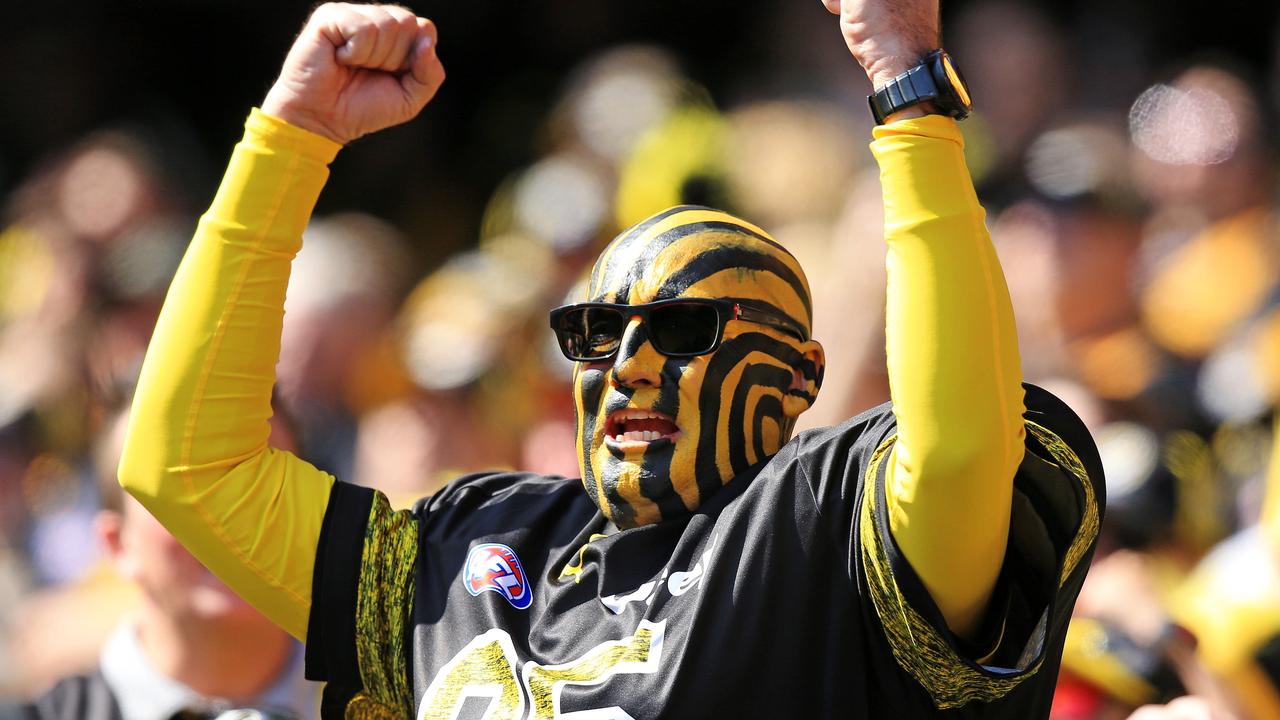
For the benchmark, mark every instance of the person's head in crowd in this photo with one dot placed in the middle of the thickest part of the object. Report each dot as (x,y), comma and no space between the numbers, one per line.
(336,350)
(343,291)
(98,190)
(1202,143)
(1013,61)
(189,626)
(694,360)
(410,447)
(1202,158)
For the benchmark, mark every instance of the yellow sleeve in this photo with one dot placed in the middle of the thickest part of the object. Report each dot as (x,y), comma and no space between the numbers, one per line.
(954,371)
(196,453)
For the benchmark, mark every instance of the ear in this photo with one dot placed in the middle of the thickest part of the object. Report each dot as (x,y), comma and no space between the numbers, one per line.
(806,379)
(109,531)
(108,527)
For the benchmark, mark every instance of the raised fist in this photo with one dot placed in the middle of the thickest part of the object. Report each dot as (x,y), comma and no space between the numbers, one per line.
(887,37)
(356,69)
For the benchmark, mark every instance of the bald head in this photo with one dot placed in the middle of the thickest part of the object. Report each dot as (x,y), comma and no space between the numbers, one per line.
(691,251)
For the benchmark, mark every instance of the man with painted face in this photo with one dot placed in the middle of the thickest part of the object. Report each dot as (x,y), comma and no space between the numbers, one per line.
(921,558)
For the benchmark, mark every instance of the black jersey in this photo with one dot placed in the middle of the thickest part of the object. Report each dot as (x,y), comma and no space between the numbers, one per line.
(509,595)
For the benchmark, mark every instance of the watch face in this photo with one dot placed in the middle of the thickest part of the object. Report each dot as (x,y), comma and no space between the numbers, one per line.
(957,82)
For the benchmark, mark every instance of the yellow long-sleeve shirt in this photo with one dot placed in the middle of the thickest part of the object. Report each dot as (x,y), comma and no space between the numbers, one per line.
(954,372)
(197,454)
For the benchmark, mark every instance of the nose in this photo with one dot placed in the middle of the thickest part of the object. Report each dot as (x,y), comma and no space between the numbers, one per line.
(637,364)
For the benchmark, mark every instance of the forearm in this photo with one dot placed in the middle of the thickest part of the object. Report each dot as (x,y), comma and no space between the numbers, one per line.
(953,370)
(196,453)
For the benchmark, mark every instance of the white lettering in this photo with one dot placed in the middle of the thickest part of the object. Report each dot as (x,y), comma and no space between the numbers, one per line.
(618,603)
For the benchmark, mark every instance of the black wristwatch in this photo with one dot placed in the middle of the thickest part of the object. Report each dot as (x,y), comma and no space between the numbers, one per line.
(936,79)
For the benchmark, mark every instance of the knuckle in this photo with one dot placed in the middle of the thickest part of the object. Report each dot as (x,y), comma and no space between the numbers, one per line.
(399,12)
(385,21)
(333,10)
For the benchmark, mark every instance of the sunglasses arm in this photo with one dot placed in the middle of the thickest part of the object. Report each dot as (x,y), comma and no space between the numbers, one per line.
(765,318)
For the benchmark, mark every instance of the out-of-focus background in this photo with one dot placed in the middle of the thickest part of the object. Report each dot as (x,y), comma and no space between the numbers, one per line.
(1126,153)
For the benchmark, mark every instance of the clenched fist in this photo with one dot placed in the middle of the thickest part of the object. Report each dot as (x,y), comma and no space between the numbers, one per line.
(356,69)
(887,37)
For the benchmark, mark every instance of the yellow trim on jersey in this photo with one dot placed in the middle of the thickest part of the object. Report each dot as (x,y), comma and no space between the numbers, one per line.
(918,646)
(384,603)
(1090,519)
(573,568)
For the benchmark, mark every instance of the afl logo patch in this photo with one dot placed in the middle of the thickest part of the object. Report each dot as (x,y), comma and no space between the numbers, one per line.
(495,567)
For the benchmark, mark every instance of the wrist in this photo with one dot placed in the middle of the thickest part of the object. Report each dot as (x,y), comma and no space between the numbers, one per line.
(884,69)
(887,56)
(915,111)
(282,110)
(271,131)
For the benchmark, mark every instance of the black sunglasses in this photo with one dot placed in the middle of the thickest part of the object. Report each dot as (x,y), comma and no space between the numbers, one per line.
(682,327)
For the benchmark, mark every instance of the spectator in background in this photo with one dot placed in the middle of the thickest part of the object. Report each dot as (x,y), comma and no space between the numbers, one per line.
(88,245)
(335,354)
(190,646)
(1209,258)
(1017,71)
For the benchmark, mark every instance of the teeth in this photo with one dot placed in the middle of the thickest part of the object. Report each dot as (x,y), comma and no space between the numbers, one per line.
(638,436)
(636,414)
(622,417)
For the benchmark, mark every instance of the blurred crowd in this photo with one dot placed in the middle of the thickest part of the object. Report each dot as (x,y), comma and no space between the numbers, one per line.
(1137,224)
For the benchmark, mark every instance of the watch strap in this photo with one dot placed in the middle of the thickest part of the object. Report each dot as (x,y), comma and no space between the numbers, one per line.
(936,79)
(910,88)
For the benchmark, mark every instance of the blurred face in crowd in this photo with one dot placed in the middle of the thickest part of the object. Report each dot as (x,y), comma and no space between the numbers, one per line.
(170,578)
(657,435)
(145,553)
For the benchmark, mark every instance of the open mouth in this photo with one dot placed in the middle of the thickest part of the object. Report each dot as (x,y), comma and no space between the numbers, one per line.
(634,426)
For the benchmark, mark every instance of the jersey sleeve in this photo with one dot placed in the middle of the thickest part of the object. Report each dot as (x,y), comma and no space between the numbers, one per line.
(362,604)
(1056,512)
(196,453)
(954,371)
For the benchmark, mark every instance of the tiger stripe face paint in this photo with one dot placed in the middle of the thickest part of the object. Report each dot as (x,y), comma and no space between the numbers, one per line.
(658,435)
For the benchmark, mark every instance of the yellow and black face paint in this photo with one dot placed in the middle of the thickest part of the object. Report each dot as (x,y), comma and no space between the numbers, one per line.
(734,407)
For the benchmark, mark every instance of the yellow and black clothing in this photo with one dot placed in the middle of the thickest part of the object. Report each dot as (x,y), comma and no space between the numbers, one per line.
(806,587)
(784,595)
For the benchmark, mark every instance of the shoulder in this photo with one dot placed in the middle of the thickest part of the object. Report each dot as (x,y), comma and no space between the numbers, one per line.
(859,436)
(491,502)
(481,490)
(495,486)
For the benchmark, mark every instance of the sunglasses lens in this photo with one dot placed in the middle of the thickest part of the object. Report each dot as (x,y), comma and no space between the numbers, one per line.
(684,328)
(588,333)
